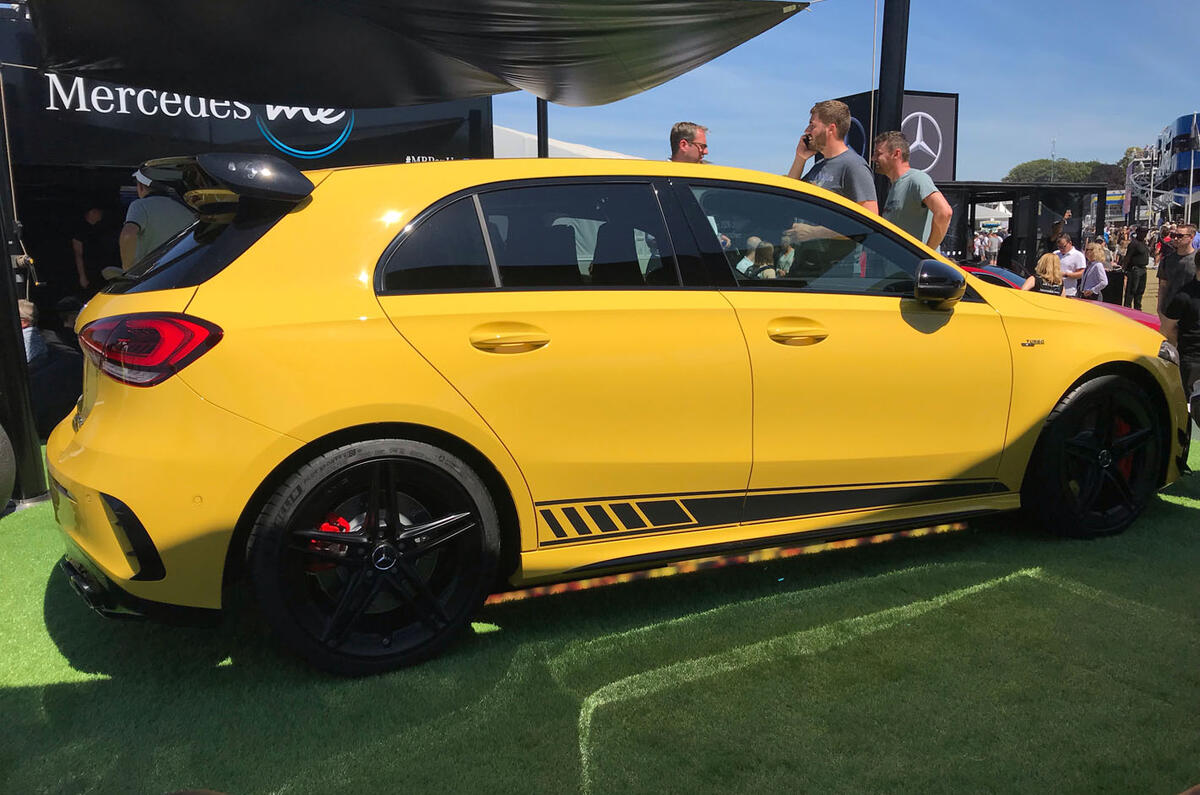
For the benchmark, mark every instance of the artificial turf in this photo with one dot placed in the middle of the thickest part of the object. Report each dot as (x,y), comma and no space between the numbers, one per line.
(982,661)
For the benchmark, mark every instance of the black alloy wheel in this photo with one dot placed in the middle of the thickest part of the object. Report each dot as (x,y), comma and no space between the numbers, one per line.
(1098,461)
(374,555)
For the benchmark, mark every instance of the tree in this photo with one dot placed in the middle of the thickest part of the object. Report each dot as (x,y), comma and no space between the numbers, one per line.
(1042,170)
(1112,175)
(1132,153)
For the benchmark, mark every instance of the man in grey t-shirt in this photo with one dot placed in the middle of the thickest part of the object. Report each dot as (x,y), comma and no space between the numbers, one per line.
(152,219)
(913,203)
(841,170)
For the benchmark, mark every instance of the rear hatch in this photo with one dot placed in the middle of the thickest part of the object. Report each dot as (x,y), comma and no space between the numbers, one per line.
(237,199)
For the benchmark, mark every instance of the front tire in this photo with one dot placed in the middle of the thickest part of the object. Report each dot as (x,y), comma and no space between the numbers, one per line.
(374,555)
(1098,460)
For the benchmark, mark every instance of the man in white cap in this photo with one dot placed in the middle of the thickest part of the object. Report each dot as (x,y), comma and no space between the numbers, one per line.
(153,218)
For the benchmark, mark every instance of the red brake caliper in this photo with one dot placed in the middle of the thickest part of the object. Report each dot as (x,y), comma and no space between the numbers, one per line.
(332,524)
(1126,463)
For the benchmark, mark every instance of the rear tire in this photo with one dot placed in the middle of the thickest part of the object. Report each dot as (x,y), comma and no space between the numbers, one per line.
(1098,460)
(374,555)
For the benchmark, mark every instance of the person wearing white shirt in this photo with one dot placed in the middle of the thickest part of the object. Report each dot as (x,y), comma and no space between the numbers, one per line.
(1073,264)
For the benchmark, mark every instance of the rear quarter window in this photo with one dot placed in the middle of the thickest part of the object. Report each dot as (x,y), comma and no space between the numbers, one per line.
(443,252)
(201,251)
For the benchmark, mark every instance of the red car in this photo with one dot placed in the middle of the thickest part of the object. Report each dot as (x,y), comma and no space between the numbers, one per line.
(1006,278)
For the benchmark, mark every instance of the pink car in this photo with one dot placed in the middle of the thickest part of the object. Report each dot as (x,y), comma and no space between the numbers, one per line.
(1006,278)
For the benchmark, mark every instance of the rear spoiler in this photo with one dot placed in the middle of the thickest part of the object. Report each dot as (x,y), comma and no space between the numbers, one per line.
(213,183)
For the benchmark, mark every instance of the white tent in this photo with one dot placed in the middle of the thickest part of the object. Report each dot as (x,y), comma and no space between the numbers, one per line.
(992,215)
(508,142)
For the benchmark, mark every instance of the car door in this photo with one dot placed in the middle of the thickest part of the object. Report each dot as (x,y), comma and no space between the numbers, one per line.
(555,308)
(863,396)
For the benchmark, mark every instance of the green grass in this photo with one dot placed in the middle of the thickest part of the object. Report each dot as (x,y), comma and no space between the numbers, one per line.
(981,661)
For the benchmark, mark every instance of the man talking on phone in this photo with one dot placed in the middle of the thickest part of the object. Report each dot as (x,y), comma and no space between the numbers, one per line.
(840,169)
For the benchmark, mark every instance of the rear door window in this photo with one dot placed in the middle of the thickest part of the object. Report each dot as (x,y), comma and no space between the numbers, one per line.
(605,235)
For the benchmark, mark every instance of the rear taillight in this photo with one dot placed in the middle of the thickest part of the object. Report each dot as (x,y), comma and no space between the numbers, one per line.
(147,349)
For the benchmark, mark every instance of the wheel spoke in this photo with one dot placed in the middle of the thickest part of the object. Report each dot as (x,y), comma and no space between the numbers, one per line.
(1122,487)
(349,557)
(1106,421)
(1083,446)
(1090,483)
(1131,443)
(408,583)
(371,520)
(360,591)
(391,500)
(429,536)
(350,539)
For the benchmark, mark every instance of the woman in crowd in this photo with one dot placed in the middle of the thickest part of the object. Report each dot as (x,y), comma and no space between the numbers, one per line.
(1122,246)
(1047,277)
(1095,279)
(764,262)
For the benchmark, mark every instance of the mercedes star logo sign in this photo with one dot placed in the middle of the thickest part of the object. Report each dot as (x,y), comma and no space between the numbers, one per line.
(383,557)
(924,136)
(856,137)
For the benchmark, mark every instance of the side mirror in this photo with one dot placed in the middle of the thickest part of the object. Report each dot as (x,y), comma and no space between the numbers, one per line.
(938,284)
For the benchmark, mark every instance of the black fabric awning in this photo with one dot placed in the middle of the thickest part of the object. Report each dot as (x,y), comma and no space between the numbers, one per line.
(386,53)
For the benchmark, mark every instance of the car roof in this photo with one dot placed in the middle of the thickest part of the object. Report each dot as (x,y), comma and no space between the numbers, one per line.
(455,175)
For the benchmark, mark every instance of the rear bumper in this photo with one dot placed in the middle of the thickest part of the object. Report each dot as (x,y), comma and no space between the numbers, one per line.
(100,594)
(148,491)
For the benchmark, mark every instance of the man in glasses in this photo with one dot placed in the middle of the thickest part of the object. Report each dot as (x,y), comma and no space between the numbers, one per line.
(1181,317)
(1178,266)
(689,142)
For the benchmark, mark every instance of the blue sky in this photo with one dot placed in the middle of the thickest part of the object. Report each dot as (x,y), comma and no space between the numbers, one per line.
(1096,75)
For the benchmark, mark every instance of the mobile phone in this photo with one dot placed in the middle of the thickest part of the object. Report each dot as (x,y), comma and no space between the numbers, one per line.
(807,139)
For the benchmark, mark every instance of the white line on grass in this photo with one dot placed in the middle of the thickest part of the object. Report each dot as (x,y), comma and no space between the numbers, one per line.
(559,664)
(797,644)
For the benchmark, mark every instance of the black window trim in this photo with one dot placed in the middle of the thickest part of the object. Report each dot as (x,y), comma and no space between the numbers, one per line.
(475,191)
(692,210)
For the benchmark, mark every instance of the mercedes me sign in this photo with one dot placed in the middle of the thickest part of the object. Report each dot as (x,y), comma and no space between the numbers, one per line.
(930,125)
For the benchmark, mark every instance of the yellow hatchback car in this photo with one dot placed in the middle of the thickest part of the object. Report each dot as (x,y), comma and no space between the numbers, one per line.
(379,394)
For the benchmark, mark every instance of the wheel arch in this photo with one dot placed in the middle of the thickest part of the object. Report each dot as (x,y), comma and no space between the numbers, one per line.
(498,489)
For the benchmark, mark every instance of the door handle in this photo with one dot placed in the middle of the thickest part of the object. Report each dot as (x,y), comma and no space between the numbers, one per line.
(508,342)
(797,334)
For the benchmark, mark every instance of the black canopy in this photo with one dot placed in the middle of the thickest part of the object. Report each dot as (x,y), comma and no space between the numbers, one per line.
(385,53)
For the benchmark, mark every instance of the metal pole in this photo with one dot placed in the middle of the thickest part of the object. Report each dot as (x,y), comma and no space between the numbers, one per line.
(16,407)
(1192,143)
(1153,174)
(893,54)
(543,128)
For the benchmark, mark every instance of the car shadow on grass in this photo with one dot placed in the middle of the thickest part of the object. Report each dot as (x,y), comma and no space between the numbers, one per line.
(224,708)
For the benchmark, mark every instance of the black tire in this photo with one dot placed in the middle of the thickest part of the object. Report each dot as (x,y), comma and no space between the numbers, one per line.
(413,546)
(1098,461)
